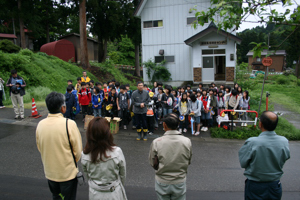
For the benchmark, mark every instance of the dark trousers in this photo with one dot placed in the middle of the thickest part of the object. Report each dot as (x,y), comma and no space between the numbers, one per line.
(141,121)
(263,190)
(1,97)
(67,189)
(84,110)
(184,123)
(124,115)
(150,123)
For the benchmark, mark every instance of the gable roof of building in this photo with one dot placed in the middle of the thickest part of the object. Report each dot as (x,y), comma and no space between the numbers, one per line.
(265,52)
(140,7)
(211,28)
(4,35)
(78,35)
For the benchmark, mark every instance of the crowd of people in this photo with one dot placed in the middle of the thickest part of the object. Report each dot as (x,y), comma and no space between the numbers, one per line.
(197,109)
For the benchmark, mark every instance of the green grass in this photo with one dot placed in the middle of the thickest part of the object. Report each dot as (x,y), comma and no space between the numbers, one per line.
(41,72)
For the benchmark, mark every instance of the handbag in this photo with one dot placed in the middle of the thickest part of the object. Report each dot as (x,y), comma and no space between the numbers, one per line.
(79,176)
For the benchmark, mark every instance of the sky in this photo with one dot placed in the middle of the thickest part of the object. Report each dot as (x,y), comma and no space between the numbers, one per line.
(279,8)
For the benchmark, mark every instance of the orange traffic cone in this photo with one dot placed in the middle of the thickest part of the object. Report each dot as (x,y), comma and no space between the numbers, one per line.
(34,112)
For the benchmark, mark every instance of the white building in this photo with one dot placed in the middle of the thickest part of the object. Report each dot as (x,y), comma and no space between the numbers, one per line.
(203,54)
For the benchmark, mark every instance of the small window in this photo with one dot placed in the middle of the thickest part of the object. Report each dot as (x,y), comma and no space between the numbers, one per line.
(257,67)
(219,51)
(190,20)
(170,58)
(159,59)
(156,23)
(210,51)
(271,70)
(258,59)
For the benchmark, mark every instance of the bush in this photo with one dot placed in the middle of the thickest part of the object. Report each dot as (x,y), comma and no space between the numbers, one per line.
(8,46)
(283,80)
(157,71)
(298,82)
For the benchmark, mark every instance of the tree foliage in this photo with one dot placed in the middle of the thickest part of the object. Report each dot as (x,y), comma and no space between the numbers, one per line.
(157,71)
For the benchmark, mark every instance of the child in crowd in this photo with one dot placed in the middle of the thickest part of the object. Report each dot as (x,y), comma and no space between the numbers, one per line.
(90,106)
(151,113)
(184,108)
(154,87)
(195,92)
(235,87)
(216,93)
(117,86)
(128,90)
(220,102)
(78,84)
(179,92)
(227,95)
(167,100)
(200,87)
(195,111)
(70,103)
(182,90)
(97,100)
(214,86)
(159,104)
(188,88)
(198,95)
(205,115)
(222,88)
(244,105)
(233,102)
(146,88)
(112,101)
(84,97)
(240,91)
(175,102)
(70,82)
(212,99)
(123,103)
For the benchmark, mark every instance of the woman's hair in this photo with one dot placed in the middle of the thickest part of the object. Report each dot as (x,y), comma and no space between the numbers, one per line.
(247,95)
(235,85)
(169,89)
(160,88)
(182,99)
(97,90)
(228,87)
(241,89)
(193,98)
(99,139)
(204,90)
(176,93)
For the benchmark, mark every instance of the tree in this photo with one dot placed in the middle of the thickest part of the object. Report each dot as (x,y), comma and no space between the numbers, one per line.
(21,23)
(84,59)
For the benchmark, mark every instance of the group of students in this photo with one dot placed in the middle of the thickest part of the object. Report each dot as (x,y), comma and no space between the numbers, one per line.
(195,107)
(101,100)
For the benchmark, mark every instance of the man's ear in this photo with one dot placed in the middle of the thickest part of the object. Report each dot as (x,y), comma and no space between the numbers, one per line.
(63,109)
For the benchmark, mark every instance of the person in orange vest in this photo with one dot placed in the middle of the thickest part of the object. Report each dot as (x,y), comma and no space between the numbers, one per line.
(85,78)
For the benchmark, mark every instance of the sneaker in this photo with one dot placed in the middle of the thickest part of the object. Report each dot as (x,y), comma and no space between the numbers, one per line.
(17,117)
(197,133)
(184,130)
(193,133)
(145,139)
(125,127)
(245,124)
(22,117)
(150,133)
(202,129)
(180,130)
(205,129)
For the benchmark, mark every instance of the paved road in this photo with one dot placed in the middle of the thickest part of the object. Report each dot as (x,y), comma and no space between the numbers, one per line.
(214,173)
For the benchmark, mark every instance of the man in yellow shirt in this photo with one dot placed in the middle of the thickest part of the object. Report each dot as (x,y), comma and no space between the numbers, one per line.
(53,143)
(85,78)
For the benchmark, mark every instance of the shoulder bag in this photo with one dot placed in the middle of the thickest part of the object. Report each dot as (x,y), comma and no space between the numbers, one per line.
(79,175)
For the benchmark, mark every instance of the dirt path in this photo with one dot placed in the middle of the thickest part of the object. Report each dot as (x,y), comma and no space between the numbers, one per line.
(293,117)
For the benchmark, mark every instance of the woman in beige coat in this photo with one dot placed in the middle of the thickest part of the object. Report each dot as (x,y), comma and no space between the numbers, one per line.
(103,163)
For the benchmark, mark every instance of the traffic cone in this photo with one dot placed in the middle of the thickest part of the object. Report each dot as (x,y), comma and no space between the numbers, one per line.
(34,112)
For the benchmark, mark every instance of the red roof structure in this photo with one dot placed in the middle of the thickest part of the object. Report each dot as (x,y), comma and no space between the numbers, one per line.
(11,36)
(62,49)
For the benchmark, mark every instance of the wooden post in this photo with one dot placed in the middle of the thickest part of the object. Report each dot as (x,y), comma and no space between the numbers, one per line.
(84,59)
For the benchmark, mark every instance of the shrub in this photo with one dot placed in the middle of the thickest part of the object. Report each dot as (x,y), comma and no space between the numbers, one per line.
(157,71)
(283,80)
(298,82)
(8,46)
(289,72)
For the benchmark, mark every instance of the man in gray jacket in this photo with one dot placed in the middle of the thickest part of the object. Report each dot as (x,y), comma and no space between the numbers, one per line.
(140,98)
(171,163)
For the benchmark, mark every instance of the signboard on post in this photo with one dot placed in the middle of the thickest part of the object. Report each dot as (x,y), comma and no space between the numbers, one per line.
(267,62)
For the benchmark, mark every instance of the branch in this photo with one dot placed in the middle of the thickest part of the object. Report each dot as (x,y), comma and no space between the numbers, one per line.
(286,38)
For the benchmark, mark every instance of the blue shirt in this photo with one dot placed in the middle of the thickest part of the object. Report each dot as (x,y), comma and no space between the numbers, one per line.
(263,157)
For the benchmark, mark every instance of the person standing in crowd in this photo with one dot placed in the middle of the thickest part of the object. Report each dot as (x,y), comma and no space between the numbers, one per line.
(195,110)
(85,78)
(97,100)
(184,109)
(112,101)
(70,103)
(78,84)
(171,163)
(70,82)
(123,103)
(263,158)
(151,113)
(167,100)
(84,97)
(103,163)
(54,146)
(2,93)
(17,91)
(244,105)
(140,98)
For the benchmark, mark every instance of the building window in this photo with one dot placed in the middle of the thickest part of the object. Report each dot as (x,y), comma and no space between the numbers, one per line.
(159,59)
(271,70)
(151,24)
(213,51)
(190,20)
(258,59)
(257,67)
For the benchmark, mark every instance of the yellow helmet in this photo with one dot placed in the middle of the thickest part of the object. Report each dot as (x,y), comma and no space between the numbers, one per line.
(151,94)
(108,107)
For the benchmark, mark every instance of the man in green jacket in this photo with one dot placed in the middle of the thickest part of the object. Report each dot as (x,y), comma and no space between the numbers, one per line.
(263,158)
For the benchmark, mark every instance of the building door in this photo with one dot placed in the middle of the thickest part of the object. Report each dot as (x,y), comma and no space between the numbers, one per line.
(220,68)
(208,72)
